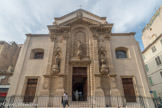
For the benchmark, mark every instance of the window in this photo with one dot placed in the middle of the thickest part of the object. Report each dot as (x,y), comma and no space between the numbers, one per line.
(121,52)
(30,90)
(37,53)
(143,57)
(129,89)
(158,61)
(150,80)
(153,49)
(155,94)
(146,67)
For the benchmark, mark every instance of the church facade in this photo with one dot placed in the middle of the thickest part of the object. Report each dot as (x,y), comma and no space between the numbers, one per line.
(81,55)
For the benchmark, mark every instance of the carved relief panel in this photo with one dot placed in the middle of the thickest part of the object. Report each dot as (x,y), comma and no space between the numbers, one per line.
(79,42)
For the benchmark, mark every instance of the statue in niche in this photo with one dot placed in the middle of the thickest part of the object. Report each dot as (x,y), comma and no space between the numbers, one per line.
(103,58)
(103,66)
(79,49)
(57,61)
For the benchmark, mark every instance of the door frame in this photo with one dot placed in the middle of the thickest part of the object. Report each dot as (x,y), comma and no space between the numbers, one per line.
(136,91)
(86,76)
(25,84)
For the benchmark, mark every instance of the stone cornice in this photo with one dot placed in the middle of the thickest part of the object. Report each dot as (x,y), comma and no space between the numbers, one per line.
(102,27)
(55,28)
(36,35)
(151,43)
(60,18)
(6,73)
(75,21)
(123,34)
(80,62)
(158,12)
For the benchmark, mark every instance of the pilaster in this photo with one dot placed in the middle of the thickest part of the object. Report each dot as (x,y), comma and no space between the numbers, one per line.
(47,75)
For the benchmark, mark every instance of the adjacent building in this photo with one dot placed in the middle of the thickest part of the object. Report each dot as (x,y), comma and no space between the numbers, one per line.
(152,54)
(81,56)
(8,56)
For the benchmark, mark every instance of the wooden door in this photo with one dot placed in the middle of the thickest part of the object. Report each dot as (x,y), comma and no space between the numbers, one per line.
(30,90)
(85,89)
(129,89)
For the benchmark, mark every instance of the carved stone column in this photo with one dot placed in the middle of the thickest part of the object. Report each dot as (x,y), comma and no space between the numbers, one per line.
(97,74)
(61,76)
(63,57)
(98,92)
(98,89)
(116,99)
(60,85)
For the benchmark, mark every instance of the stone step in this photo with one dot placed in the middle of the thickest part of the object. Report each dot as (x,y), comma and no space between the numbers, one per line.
(76,107)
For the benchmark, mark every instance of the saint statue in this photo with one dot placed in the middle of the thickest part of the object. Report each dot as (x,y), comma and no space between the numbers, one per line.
(57,59)
(103,66)
(79,49)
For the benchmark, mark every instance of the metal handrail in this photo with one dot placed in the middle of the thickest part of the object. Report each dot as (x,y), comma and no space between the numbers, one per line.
(90,101)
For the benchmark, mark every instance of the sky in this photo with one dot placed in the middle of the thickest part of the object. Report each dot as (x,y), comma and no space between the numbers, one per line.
(20,17)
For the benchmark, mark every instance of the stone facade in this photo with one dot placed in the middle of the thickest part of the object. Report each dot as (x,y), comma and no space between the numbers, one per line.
(8,57)
(80,46)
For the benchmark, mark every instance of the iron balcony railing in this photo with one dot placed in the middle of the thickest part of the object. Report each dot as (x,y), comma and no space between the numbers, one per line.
(86,101)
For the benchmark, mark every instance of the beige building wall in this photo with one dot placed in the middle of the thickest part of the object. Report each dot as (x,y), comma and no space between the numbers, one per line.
(153,28)
(131,66)
(154,72)
(152,40)
(28,67)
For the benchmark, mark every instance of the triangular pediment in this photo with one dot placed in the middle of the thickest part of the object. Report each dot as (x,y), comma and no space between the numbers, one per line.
(80,15)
